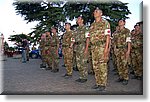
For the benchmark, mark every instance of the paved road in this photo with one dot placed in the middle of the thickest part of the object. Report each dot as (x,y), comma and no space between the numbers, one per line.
(28,78)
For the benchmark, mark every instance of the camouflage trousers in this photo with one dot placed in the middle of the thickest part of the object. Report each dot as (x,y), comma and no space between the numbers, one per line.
(74,59)
(43,57)
(54,58)
(122,67)
(90,62)
(114,58)
(48,57)
(137,59)
(99,66)
(68,59)
(82,64)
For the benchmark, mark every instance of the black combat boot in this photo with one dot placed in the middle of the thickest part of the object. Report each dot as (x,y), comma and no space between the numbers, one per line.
(81,80)
(102,88)
(125,82)
(75,68)
(95,86)
(119,80)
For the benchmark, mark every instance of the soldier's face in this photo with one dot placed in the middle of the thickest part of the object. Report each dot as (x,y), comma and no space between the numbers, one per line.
(133,32)
(117,28)
(121,23)
(97,13)
(67,26)
(137,27)
(53,30)
(47,34)
(79,20)
(43,35)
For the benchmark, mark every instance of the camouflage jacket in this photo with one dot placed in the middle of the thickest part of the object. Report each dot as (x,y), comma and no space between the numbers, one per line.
(98,33)
(67,38)
(79,36)
(42,43)
(121,38)
(137,40)
(48,41)
(54,41)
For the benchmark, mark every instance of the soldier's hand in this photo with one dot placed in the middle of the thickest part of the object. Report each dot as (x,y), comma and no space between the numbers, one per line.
(85,53)
(57,52)
(105,55)
(127,55)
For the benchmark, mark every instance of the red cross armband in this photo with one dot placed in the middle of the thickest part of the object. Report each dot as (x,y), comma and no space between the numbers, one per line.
(107,32)
(87,34)
(128,39)
(72,39)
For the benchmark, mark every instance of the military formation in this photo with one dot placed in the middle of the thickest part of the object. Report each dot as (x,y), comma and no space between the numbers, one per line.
(95,45)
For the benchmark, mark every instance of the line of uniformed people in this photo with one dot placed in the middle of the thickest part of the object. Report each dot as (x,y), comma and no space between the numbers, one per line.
(93,45)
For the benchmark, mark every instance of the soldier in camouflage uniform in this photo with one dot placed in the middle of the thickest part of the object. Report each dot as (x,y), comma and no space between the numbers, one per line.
(48,51)
(131,71)
(136,52)
(67,50)
(80,37)
(42,49)
(54,49)
(114,51)
(90,71)
(99,39)
(74,52)
(123,44)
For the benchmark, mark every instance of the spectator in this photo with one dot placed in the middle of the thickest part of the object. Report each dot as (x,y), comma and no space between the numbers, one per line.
(1,43)
(24,49)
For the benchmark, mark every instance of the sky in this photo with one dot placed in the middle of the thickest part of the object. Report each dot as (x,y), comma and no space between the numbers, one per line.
(10,23)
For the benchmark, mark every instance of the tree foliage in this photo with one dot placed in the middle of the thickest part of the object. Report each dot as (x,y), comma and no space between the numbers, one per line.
(52,13)
(18,38)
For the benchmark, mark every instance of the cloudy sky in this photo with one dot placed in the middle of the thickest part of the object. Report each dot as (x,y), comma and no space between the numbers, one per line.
(10,22)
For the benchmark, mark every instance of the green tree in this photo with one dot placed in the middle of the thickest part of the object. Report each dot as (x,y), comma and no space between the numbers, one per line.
(51,13)
(18,38)
(6,46)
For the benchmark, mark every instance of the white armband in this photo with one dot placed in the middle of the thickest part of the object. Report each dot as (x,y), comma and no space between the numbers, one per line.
(107,32)
(87,34)
(128,39)
(72,39)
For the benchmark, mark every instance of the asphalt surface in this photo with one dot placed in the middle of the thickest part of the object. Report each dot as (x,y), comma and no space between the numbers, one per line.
(28,79)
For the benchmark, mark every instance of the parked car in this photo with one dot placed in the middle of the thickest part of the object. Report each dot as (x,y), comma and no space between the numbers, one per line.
(34,54)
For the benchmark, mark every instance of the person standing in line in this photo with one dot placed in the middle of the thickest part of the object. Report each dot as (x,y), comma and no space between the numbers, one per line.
(67,50)
(137,53)
(42,49)
(54,50)
(99,39)
(81,41)
(75,68)
(48,51)
(123,46)
(113,47)
(90,71)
